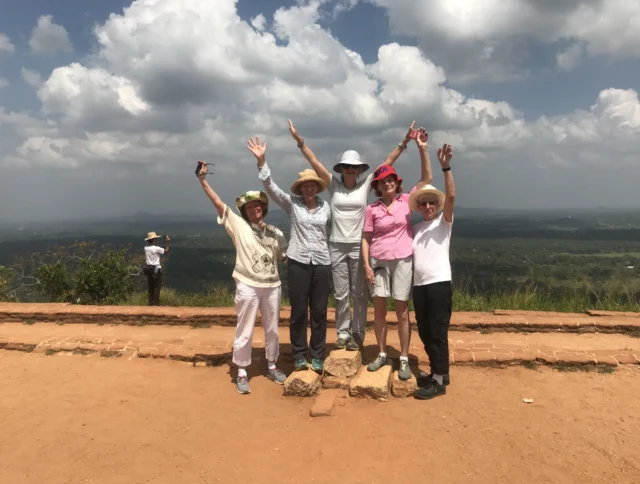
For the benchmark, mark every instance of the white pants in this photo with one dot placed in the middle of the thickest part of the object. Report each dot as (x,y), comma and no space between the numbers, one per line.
(248,300)
(348,279)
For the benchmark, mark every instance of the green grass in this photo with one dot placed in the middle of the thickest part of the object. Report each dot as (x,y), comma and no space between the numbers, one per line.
(465,298)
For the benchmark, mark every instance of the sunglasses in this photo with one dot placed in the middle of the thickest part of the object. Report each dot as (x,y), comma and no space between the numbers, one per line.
(424,203)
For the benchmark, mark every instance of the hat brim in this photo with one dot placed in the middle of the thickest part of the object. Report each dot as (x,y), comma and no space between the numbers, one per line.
(152,238)
(295,188)
(413,198)
(363,166)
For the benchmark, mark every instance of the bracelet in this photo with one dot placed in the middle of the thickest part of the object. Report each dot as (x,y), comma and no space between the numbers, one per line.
(301,143)
(446,169)
(402,145)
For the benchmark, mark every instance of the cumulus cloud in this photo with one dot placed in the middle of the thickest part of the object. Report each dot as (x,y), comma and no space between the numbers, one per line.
(179,80)
(3,82)
(5,43)
(48,37)
(492,39)
(33,78)
(571,57)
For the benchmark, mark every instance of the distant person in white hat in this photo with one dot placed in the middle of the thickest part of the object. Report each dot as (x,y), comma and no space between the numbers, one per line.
(309,265)
(432,289)
(153,269)
(349,194)
(259,246)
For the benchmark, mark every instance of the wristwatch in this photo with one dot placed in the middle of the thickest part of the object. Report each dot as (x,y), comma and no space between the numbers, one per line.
(300,143)
(402,145)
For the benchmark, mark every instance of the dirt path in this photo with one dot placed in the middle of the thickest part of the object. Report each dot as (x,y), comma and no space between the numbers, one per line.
(75,419)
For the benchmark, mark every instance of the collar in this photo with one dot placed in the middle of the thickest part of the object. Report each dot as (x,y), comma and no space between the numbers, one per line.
(379,200)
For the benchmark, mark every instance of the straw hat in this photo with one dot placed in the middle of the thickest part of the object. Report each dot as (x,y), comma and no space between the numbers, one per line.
(351,158)
(253,196)
(305,176)
(426,190)
(152,235)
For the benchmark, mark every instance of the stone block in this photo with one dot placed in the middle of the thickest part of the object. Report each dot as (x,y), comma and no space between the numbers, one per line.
(403,389)
(371,384)
(323,405)
(334,382)
(302,384)
(343,363)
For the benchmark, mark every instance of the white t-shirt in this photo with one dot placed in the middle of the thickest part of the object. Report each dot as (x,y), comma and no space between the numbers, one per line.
(152,253)
(431,251)
(347,209)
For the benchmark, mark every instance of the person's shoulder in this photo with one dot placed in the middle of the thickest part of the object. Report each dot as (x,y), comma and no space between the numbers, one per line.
(274,229)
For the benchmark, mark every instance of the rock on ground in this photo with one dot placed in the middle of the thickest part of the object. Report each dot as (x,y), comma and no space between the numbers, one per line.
(403,389)
(369,384)
(343,363)
(302,384)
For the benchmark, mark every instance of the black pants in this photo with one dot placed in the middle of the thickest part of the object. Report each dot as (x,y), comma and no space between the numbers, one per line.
(155,284)
(308,289)
(432,303)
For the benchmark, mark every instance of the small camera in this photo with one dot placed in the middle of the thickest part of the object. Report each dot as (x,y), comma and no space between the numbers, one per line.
(199,168)
(419,132)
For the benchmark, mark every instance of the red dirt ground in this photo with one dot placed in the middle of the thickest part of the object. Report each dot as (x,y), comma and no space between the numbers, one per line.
(79,419)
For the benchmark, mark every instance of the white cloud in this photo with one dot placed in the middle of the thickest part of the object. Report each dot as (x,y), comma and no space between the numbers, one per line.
(33,78)
(179,80)
(491,39)
(5,43)
(3,82)
(48,37)
(259,22)
(571,57)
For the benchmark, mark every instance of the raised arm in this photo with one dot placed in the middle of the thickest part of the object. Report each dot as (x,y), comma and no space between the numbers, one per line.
(319,168)
(282,199)
(444,157)
(397,151)
(425,162)
(167,245)
(213,196)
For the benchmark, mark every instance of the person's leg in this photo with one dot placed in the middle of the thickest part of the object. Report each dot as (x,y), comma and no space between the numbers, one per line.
(299,280)
(150,284)
(439,316)
(401,274)
(380,292)
(420,307)
(157,287)
(340,274)
(246,302)
(318,300)
(359,292)
(270,315)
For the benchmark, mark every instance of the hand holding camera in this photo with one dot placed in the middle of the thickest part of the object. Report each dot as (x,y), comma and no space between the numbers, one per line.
(419,135)
(202,170)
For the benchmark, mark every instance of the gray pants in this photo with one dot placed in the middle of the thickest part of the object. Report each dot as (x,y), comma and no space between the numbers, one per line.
(348,279)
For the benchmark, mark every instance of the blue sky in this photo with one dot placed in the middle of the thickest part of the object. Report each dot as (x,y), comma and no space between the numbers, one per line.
(523,113)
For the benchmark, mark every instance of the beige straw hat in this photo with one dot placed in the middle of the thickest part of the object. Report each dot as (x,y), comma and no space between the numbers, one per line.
(152,235)
(425,190)
(305,176)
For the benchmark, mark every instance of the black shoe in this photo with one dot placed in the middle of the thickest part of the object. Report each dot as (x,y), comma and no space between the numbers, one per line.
(430,390)
(423,379)
(340,344)
(354,343)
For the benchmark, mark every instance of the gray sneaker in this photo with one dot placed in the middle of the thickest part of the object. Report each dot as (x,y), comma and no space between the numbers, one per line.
(340,344)
(378,363)
(276,376)
(404,373)
(242,384)
(354,344)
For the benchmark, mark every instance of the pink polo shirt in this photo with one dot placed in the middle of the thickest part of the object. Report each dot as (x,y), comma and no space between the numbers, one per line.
(392,231)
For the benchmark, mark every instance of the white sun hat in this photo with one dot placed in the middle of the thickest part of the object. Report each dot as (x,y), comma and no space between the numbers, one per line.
(351,158)
(426,190)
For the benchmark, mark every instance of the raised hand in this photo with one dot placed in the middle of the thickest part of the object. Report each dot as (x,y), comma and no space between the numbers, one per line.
(419,142)
(204,169)
(258,150)
(444,155)
(167,238)
(407,137)
(294,133)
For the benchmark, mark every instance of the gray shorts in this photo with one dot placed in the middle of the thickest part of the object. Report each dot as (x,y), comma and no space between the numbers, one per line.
(394,278)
